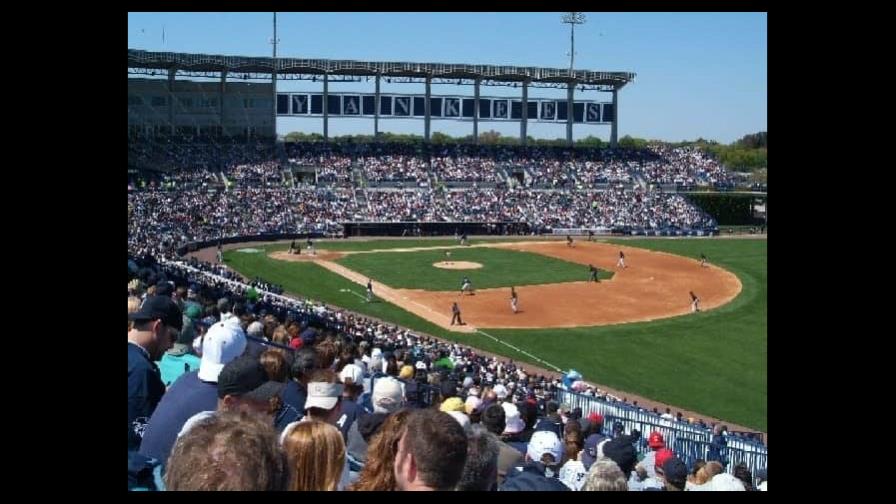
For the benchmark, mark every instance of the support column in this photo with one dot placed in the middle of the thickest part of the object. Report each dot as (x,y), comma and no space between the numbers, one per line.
(171,74)
(476,111)
(615,125)
(525,113)
(376,108)
(569,113)
(326,99)
(426,109)
(222,93)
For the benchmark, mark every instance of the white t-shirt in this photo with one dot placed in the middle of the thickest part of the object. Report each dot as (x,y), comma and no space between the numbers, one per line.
(572,474)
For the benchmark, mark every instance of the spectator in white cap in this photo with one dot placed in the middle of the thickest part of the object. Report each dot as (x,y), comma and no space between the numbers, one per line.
(500,392)
(324,397)
(352,378)
(515,424)
(472,404)
(193,392)
(543,457)
(388,395)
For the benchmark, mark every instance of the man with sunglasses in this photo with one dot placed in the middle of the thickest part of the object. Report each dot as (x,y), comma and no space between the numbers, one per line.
(156,327)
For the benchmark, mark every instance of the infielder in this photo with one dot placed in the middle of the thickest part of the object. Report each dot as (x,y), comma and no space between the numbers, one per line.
(369,291)
(569,241)
(310,246)
(466,286)
(703,260)
(621,262)
(695,303)
(593,272)
(513,300)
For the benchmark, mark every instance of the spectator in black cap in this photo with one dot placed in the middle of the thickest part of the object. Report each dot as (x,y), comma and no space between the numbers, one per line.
(156,327)
(675,473)
(622,451)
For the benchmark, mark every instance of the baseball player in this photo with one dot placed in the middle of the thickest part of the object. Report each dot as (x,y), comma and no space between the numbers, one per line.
(447,257)
(369,291)
(466,286)
(621,262)
(220,254)
(695,303)
(591,235)
(310,246)
(703,260)
(593,272)
(463,239)
(569,241)
(513,300)
(455,314)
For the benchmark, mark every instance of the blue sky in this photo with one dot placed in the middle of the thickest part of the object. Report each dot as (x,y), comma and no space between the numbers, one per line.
(699,74)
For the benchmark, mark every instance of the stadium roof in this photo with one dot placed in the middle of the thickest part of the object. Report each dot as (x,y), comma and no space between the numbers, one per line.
(285,66)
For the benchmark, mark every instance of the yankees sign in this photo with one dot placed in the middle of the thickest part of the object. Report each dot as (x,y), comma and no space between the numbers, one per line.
(441,107)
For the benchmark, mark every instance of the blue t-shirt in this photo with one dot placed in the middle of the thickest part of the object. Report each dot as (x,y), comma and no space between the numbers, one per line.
(173,366)
(294,395)
(349,412)
(145,390)
(186,397)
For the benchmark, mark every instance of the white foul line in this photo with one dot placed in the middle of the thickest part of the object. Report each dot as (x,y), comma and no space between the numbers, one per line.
(520,351)
(353,292)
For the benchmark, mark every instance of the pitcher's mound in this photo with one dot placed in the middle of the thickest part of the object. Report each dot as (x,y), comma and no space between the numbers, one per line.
(457,265)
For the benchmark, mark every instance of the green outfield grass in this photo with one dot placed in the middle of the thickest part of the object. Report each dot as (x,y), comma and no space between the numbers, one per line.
(713,362)
(500,268)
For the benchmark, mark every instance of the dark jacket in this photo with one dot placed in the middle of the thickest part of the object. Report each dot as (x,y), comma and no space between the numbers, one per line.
(532,478)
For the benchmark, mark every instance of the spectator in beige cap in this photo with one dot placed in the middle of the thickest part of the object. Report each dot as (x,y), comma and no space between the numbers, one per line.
(388,395)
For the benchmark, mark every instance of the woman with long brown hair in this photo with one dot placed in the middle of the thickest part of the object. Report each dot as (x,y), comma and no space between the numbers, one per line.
(378,473)
(315,453)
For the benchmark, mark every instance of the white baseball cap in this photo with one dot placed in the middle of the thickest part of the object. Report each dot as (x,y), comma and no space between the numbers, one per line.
(513,423)
(500,391)
(222,343)
(323,395)
(387,396)
(352,371)
(545,442)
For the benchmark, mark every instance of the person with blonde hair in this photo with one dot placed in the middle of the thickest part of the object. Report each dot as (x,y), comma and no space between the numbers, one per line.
(378,473)
(315,455)
(705,473)
(605,476)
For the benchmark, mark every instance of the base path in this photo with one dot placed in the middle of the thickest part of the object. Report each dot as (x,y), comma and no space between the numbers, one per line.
(400,297)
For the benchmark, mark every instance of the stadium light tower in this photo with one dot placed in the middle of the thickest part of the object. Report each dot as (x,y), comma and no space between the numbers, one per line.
(573,19)
(274,42)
